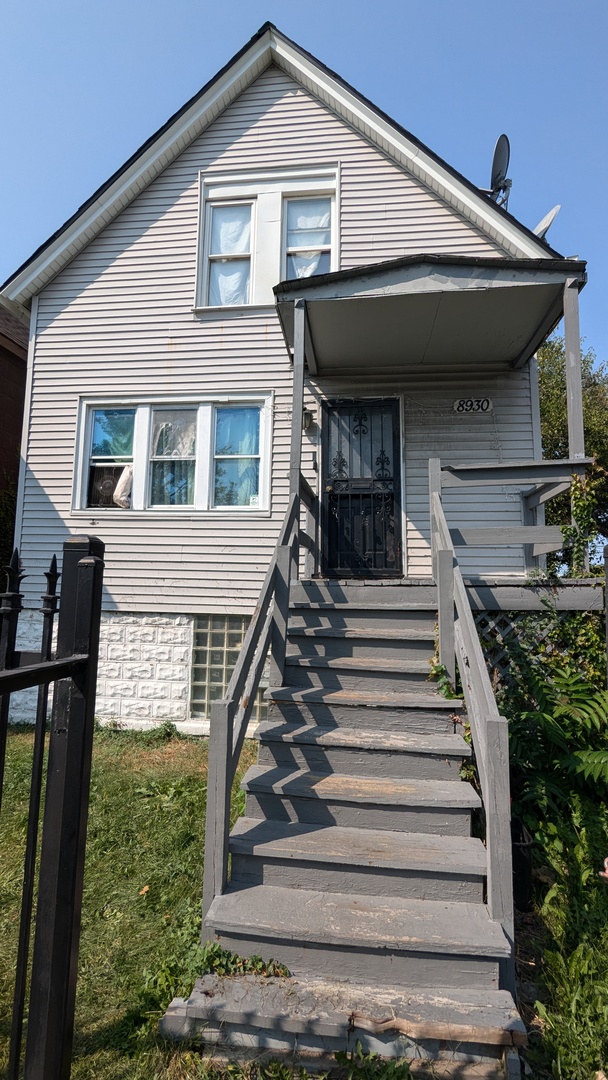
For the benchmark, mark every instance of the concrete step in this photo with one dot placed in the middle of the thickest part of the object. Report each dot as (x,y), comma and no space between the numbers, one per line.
(376,939)
(428,806)
(376,644)
(370,861)
(462,1034)
(353,673)
(360,752)
(428,713)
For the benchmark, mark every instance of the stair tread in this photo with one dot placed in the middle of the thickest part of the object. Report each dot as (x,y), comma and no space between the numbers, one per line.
(418,699)
(356,738)
(323,1006)
(334,918)
(363,605)
(359,633)
(363,664)
(338,787)
(359,847)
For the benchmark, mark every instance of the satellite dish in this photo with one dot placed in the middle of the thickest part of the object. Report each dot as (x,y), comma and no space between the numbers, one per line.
(543,226)
(500,164)
(499,185)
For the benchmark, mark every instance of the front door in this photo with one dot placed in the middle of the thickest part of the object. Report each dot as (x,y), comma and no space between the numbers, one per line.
(361,488)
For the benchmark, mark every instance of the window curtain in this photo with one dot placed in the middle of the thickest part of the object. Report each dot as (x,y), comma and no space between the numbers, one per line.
(237,470)
(237,431)
(230,236)
(308,228)
(173,438)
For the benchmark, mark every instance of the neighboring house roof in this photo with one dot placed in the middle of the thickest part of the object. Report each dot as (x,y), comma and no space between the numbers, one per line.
(269,46)
(13,334)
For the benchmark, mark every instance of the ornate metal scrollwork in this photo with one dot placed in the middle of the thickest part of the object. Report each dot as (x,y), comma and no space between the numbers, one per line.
(383,461)
(339,467)
(360,422)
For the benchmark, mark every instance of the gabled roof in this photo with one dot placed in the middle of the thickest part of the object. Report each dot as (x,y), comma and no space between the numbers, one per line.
(268,46)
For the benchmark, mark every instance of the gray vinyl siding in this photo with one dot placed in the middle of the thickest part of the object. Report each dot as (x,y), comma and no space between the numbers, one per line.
(119,320)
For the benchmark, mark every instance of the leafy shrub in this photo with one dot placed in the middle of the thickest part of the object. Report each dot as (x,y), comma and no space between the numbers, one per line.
(559,761)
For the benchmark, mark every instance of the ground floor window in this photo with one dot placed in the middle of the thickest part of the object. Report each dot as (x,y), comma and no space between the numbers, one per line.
(175,455)
(217,644)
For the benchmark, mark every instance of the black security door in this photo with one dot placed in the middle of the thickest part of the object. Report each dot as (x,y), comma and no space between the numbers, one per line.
(361,519)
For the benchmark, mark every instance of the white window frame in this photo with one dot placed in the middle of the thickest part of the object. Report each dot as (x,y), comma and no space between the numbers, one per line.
(142,436)
(267,192)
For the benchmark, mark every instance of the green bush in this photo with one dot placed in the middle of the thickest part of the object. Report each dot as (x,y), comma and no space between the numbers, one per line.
(559,765)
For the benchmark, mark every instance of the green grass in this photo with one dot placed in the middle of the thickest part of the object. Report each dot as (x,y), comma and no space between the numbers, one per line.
(141,906)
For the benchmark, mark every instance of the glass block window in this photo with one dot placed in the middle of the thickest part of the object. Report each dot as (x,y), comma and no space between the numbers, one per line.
(217,644)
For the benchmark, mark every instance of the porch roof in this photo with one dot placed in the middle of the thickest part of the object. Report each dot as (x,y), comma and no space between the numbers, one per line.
(428,312)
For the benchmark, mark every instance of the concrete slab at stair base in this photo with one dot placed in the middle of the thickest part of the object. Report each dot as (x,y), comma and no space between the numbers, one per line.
(448,1032)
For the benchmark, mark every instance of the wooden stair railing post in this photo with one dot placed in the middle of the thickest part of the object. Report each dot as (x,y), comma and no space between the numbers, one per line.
(445,604)
(443,572)
(219,785)
(434,487)
(497,801)
(278,641)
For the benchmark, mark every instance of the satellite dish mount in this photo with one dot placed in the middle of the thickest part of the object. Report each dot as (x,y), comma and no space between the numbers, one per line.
(500,186)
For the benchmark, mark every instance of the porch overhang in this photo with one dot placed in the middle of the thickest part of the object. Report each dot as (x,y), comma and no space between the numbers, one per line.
(428,313)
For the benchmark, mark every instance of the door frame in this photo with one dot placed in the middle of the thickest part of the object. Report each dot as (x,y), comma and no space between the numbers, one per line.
(324,570)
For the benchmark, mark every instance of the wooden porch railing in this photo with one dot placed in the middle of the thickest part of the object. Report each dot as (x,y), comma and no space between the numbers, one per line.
(459,643)
(489,730)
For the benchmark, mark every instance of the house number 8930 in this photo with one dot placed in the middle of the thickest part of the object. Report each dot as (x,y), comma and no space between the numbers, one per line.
(473,405)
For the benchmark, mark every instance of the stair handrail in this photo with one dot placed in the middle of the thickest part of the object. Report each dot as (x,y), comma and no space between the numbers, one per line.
(229,718)
(489,730)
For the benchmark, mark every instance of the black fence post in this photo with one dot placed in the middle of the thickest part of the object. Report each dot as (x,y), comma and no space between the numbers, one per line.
(49,608)
(54,967)
(9,618)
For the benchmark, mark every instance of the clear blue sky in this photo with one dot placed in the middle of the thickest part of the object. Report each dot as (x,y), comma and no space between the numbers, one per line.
(83,84)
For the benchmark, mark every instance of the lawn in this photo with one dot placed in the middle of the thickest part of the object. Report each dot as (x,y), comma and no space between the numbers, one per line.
(142,897)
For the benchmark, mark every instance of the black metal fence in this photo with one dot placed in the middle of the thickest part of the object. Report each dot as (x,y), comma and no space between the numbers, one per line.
(72,667)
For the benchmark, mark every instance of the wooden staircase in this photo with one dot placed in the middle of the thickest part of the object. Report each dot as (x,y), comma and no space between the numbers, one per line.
(354,864)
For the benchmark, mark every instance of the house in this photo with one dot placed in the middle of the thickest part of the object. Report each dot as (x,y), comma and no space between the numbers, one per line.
(282,302)
(159,392)
(13,355)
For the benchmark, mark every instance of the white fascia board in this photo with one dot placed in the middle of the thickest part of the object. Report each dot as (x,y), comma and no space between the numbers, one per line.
(440,179)
(146,167)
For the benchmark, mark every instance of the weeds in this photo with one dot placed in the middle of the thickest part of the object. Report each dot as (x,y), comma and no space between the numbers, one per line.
(559,760)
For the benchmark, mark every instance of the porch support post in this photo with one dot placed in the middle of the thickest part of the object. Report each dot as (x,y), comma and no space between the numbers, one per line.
(574,383)
(299,330)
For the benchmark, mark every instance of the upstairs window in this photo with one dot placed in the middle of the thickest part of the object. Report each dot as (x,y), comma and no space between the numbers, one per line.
(307,237)
(229,274)
(261,228)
